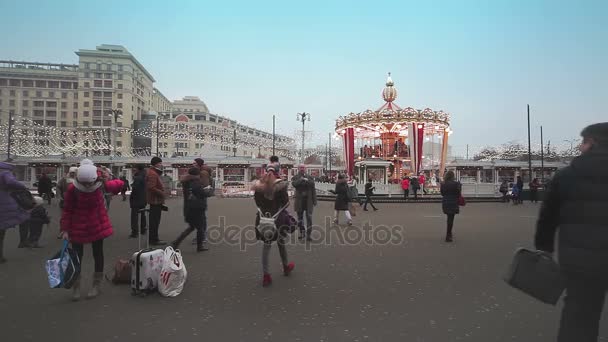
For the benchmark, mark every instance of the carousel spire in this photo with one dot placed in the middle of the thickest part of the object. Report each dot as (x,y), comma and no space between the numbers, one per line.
(389,94)
(389,81)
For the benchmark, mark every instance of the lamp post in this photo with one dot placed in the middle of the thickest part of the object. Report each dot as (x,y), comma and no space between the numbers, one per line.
(114,114)
(302,117)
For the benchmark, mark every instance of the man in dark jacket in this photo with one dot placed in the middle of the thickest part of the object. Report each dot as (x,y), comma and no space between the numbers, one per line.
(305,200)
(576,203)
(45,187)
(369,191)
(155,197)
(207,184)
(137,201)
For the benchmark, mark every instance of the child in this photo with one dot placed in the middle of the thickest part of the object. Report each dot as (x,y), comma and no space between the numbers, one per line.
(515,193)
(30,230)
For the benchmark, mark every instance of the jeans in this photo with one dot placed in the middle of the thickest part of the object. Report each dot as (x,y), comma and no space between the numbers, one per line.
(155,214)
(308,221)
(415,194)
(136,219)
(97,253)
(583,307)
(450,223)
(368,199)
(406,193)
(266,253)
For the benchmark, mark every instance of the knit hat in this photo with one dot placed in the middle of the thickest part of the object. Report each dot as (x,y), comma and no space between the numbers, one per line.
(38,200)
(155,160)
(87,172)
(273,167)
(200,162)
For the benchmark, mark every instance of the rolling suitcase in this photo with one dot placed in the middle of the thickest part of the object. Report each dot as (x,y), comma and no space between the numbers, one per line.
(146,265)
(537,274)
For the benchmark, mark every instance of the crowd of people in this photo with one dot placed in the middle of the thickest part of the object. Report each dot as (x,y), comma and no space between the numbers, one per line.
(574,202)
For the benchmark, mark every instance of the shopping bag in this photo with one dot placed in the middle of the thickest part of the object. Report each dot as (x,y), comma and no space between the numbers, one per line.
(173,274)
(537,274)
(352,210)
(63,268)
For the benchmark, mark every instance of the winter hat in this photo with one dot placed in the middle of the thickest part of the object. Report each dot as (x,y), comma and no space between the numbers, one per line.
(38,200)
(87,172)
(155,160)
(200,162)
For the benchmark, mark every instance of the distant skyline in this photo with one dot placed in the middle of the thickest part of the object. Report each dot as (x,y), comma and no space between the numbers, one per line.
(481,61)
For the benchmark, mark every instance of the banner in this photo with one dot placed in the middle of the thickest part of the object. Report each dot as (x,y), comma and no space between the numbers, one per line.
(349,150)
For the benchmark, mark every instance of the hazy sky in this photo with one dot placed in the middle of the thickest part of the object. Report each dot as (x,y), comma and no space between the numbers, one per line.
(482,61)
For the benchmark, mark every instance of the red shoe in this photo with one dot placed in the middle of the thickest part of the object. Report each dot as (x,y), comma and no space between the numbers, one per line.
(287,269)
(267,280)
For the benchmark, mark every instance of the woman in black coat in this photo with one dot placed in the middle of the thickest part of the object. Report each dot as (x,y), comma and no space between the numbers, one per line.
(342,200)
(194,205)
(451,191)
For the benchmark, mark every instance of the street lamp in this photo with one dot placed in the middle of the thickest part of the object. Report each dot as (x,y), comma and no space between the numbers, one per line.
(302,117)
(115,114)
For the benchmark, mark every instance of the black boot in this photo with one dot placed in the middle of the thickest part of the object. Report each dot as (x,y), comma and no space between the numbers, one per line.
(175,244)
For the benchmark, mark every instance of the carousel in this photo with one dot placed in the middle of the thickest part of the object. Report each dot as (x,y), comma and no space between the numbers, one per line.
(387,144)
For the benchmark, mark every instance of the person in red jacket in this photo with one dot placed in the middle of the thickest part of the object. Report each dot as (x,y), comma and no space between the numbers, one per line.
(405,185)
(85,218)
(422,180)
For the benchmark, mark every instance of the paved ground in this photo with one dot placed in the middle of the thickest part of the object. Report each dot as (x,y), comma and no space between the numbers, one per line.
(416,289)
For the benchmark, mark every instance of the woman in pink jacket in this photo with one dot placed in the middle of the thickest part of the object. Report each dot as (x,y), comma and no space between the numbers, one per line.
(85,218)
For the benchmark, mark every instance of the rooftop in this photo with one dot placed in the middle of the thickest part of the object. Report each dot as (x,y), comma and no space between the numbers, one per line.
(114,51)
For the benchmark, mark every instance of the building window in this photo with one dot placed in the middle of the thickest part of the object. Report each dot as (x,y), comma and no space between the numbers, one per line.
(40,84)
(87,75)
(85,123)
(66,85)
(96,122)
(97,83)
(107,84)
(64,105)
(75,96)
(86,113)
(98,75)
(51,104)
(120,76)
(96,103)
(119,96)
(64,95)
(51,123)
(74,123)
(86,104)
(11,103)
(28,83)
(87,84)
(107,94)
(64,115)
(86,94)
(107,104)
(97,112)
(87,66)
(64,124)
(25,112)
(51,94)
(107,123)
(38,93)
(53,84)
(108,67)
(38,112)
(14,83)
(75,115)
(38,103)
(119,105)
(98,67)
(26,93)
(75,85)
(75,105)
(12,93)
(26,103)
(51,113)
(107,76)
(119,86)
(119,67)
(96,94)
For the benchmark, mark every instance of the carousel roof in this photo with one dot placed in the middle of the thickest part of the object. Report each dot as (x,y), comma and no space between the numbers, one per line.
(391,117)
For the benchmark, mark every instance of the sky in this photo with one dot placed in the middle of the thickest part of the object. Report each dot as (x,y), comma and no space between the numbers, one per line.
(481,61)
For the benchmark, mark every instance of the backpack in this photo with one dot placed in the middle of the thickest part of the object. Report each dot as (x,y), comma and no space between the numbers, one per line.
(267,228)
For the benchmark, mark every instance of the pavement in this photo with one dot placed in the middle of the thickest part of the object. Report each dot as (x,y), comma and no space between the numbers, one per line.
(389,278)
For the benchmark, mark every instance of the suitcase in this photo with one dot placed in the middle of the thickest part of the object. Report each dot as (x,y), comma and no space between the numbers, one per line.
(537,274)
(146,265)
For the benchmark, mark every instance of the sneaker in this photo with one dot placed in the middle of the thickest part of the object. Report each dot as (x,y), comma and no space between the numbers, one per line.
(267,280)
(448,238)
(335,221)
(376,209)
(308,238)
(350,223)
(202,248)
(194,241)
(301,236)
(288,268)
(365,210)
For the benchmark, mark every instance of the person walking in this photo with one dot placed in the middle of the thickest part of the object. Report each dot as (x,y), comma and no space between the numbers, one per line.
(85,219)
(11,214)
(271,198)
(534,185)
(369,192)
(155,197)
(305,200)
(422,181)
(415,186)
(520,185)
(207,183)
(504,189)
(194,205)
(451,190)
(342,200)
(575,204)
(125,188)
(405,186)
(30,230)
(62,185)
(137,201)
(515,194)
(354,192)
(45,188)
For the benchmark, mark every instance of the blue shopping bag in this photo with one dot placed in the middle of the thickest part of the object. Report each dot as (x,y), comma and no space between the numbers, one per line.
(63,268)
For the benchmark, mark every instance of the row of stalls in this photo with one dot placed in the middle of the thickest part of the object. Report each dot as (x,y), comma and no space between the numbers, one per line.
(495,172)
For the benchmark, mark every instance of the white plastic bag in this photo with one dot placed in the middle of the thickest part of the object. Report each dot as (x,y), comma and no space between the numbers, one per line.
(173,274)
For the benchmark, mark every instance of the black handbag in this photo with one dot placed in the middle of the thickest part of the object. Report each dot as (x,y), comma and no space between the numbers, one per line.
(24,199)
(537,274)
